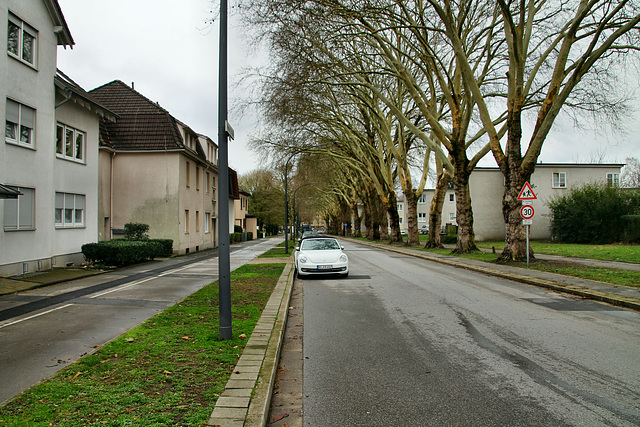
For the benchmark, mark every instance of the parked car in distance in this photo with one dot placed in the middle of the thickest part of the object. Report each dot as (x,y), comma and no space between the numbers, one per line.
(424,229)
(319,254)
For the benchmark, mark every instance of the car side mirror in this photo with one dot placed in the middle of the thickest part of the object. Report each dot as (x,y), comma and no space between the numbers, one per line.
(342,247)
(297,248)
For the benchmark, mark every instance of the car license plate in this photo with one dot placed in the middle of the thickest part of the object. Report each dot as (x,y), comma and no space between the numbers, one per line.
(325,267)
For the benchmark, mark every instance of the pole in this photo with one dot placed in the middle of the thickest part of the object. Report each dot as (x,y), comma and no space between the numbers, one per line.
(527,245)
(224,267)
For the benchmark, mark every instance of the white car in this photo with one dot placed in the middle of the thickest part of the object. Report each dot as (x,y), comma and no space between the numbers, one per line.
(321,255)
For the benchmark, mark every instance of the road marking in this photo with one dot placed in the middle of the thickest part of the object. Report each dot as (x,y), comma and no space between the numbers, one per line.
(35,315)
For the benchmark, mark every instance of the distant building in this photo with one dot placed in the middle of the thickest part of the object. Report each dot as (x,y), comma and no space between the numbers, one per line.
(487,188)
(156,170)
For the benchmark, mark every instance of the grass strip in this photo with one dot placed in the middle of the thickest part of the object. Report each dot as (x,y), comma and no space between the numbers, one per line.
(169,371)
(279,251)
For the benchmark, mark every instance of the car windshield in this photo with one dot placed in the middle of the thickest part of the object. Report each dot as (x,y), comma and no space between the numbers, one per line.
(319,244)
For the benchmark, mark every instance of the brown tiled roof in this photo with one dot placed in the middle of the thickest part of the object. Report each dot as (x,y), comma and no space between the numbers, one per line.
(141,125)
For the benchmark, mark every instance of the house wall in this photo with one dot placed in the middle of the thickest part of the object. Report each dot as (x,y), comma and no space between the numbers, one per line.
(153,188)
(31,167)
(76,178)
(105,158)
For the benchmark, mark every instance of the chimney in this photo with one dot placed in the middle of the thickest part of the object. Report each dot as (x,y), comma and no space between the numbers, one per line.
(133,86)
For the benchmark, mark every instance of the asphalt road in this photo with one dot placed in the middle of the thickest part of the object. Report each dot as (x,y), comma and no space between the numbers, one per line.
(44,330)
(406,342)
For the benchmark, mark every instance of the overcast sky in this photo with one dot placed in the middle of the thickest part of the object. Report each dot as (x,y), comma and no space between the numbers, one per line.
(164,47)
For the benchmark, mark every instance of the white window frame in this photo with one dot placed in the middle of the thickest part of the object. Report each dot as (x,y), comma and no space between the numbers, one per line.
(400,207)
(23,28)
(422,217)
(559,180)
(422,199)
(207,221)
(70,210)
(452,197)
(613,179)
(67,151)
(23,209)
(17,122)
(452,217)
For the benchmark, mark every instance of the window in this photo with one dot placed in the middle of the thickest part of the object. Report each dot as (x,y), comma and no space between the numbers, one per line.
(69,211)
(613,179)
(22,40)
(207,220)
(399,207)
(208,182)
(70,143)
(197,178)
(186,221)
(188,174)
(19,213)
(197,221)
(422,217)
(559,180)
(19,124)
(422,199)
(452,217)
(452,197)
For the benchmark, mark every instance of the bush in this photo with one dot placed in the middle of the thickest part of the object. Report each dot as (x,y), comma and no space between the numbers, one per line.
(136,231)
(249,235)
(237,229)
(121,252)
(235,237)
(631,225)
(593,214)
(449,239)
(167,246)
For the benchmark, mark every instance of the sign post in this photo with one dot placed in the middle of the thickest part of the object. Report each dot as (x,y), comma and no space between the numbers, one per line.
(526,211)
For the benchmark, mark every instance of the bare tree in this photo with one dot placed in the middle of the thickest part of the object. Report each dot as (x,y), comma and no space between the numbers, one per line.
(552,47)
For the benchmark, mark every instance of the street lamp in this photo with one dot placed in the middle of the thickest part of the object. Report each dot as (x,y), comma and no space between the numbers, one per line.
(286,194)
(224,131)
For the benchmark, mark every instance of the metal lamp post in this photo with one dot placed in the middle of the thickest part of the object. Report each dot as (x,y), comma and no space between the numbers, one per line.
(224,130)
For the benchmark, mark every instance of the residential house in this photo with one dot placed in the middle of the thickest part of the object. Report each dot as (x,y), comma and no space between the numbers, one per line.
(156,170)
(49,157)
(241,214)
(549,180)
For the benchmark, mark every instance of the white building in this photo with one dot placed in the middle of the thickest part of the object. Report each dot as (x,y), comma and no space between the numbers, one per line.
(50,148)
(487,188)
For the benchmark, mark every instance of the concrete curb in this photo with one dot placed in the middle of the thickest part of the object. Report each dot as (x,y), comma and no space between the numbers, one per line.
(613,299)
(247,395)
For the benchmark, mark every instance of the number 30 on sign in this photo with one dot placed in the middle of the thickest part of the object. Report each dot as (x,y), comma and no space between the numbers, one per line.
(526,212)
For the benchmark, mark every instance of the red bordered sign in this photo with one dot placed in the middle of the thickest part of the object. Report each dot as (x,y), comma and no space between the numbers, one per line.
(527,193)
(527,212)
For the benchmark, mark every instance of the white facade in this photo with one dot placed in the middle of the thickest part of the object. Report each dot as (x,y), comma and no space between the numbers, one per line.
(487,188)
(57,211)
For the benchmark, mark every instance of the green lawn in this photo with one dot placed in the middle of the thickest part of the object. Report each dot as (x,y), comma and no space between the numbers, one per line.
(168,371)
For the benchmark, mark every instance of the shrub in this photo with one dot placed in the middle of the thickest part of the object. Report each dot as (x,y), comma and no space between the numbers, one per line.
(249,235)
(121,252)
(136,231)
(235,237)
(593,213)
(167,246)
(237,229)
(631,225)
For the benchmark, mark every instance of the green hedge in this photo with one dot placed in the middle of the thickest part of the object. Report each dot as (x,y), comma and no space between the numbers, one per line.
(631,225)
(235,237)
(249,235)
(121,252)
(594,213)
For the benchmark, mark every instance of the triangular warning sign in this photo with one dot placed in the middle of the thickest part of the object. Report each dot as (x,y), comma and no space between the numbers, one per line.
(527,193)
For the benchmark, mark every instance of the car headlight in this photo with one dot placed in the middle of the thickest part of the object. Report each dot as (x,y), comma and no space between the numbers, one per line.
(303,259)
(343,258)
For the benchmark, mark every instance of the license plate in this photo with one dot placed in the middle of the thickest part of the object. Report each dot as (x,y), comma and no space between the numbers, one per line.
(325,267)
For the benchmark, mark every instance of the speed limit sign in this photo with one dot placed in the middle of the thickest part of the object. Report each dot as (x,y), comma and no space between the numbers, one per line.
(526,212)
